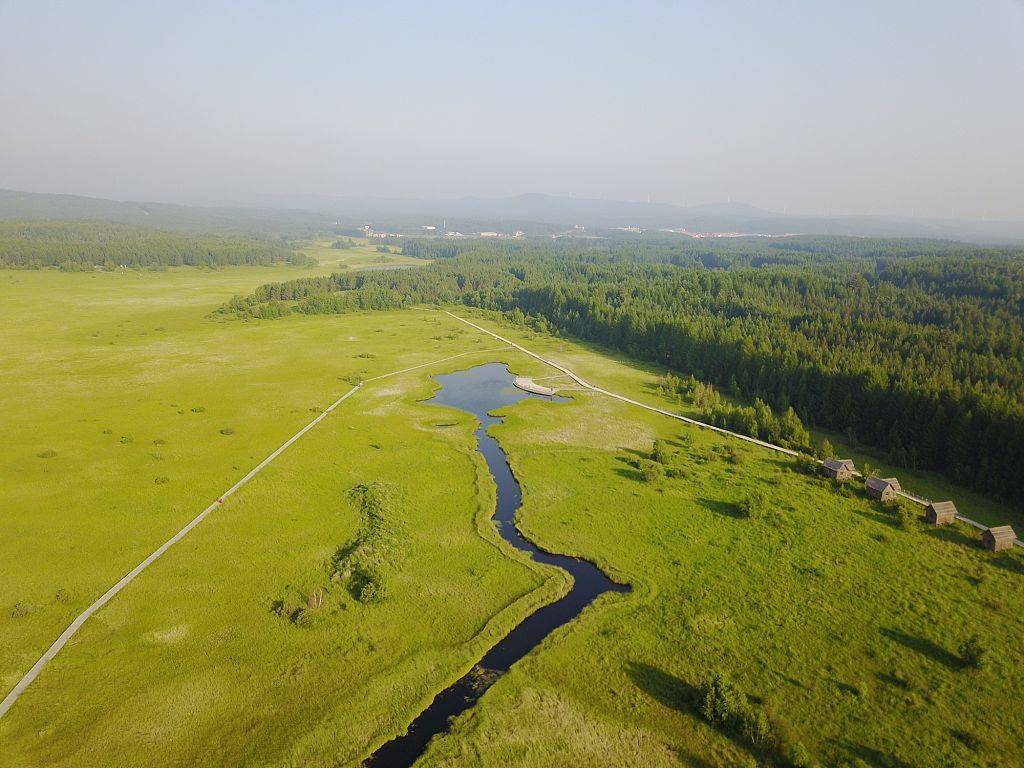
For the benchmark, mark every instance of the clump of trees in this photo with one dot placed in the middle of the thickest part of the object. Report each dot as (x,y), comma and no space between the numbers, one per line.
(730,710)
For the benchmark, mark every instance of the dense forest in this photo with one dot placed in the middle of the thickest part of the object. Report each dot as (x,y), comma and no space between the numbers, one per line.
(81,245)
(915,347)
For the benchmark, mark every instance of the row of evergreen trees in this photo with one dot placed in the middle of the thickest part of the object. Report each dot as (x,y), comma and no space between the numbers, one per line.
(84,245)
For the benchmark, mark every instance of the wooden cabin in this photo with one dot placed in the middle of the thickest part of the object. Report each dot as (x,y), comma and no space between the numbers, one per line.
(838,469)
(882,488)
(940,512)
(999,538)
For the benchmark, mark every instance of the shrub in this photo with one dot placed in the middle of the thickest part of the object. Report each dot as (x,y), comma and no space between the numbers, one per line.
(227,431)
(753,505)
(652,471)
(799,757)
(199,409)
(161,480)
(49,453)
(972,653)
(907,516)
(369,587)
(732,455)
(806,464)
(20,610)
(661,452)
(126,439)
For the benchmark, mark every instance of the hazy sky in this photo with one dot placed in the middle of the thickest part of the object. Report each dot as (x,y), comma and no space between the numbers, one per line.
(842,107)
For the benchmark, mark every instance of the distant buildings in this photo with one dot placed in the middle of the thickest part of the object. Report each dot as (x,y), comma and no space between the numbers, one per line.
(369,232)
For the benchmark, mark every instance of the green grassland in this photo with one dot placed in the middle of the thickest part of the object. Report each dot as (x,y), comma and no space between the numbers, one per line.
(129,408)
(363,256)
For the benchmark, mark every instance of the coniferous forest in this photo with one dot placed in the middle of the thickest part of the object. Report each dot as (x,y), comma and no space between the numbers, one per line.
(85,245)
(914,347)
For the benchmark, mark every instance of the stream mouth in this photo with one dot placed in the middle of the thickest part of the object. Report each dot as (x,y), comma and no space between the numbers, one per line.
(479,391)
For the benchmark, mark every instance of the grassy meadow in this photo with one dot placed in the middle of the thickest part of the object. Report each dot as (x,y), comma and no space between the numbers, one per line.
(253,641)
(364,255)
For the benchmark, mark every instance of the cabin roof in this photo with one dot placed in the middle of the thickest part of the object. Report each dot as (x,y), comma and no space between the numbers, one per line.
(1002,532)
(881,483)
(940,507)
(837,464)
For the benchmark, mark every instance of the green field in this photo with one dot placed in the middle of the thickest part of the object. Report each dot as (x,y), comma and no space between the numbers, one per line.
(363,256)
(129,408)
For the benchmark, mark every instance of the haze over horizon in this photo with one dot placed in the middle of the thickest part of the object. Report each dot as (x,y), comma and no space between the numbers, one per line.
(821,109)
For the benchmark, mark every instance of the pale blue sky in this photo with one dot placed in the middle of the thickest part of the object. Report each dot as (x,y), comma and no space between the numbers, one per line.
(842,107)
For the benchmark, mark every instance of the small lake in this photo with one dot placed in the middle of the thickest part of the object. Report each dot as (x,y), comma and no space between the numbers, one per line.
(479,391)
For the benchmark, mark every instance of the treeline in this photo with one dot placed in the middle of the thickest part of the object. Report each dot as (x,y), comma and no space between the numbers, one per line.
(85,245)
(916,348)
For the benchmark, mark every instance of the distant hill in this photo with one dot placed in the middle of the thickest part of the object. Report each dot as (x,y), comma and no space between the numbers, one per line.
(536,214)
(179,218)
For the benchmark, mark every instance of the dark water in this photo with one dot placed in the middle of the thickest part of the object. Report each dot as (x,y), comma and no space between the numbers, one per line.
(480,390)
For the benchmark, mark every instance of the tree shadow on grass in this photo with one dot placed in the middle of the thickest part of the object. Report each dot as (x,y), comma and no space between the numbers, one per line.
(664,687)
(873,757)
(925,647)
(954,535)
(890,679)
(1009,562)
(876,516)
(635,452)
(725,508)
(692,760)
(628,470)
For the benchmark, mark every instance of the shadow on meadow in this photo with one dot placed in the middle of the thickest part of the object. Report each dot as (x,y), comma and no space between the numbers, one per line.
(925,647)
(954,535)
(877,515)
(628,469)
(666,688)
(724,508)
(873,757)
(1011,563)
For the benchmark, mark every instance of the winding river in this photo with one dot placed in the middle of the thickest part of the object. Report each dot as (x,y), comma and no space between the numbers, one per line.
(479,391)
